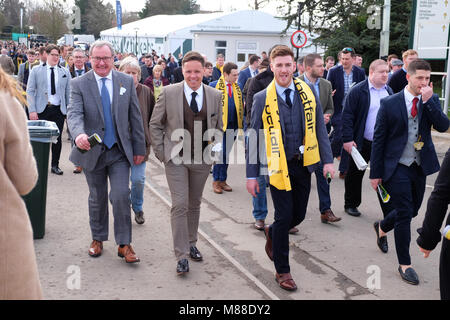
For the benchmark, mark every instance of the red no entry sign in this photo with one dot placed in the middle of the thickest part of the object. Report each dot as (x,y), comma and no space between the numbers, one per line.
(299,39)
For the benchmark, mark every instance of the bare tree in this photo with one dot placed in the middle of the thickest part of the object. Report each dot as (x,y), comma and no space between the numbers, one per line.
(50,19)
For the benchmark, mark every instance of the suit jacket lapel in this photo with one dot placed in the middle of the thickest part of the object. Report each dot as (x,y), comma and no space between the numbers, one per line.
(209,105)
(179,103)
(115,100)
(403,110)
(93,86)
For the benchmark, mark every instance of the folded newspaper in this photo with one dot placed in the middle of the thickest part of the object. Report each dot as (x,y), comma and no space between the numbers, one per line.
(361,164)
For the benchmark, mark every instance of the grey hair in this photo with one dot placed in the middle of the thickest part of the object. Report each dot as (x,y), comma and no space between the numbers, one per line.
(79,50)
(101,43)
(131,62)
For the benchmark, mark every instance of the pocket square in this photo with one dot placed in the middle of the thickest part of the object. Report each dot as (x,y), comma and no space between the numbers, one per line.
(213,114)
(64,76)
(122,91)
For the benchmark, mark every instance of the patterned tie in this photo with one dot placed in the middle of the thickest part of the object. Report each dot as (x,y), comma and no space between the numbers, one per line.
(110,135)
(80,72)
(414,107)
(52,81)
(230,91)
(287,93)
(194,106)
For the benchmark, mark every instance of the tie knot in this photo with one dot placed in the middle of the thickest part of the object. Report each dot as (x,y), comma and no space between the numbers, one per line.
(194,94)
(287,92)
(104,80)
(415,100)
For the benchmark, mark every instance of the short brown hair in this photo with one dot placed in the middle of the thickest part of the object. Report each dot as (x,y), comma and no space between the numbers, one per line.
(310,59)
(253,59)
(227,67)
(193,56)
(418,64)
(51,47)
(208,64)
(329,58)
(392,56)
(376,63)
(281,51)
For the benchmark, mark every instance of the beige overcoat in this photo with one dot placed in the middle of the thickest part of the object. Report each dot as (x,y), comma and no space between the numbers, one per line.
(19,277)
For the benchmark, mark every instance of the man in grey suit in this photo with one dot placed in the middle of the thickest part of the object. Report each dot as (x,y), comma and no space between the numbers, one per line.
(105,102)
(313,76)
(184,110)
(289,114)
(48,93)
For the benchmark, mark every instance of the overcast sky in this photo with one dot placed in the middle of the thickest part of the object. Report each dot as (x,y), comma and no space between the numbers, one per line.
(225,5)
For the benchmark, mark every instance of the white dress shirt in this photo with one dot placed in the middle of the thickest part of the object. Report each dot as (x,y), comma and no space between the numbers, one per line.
(409,101)
(199,98)
(53,99)
(108,83)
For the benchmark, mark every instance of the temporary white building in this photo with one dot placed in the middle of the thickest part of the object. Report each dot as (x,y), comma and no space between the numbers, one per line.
(235,34)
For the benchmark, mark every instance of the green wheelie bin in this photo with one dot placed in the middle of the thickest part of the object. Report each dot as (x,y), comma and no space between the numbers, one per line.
(42,134)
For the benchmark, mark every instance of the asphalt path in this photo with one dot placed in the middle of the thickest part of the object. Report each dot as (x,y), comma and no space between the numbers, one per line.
(338,261)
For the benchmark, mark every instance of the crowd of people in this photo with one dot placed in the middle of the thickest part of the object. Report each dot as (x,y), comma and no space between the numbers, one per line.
(298,115)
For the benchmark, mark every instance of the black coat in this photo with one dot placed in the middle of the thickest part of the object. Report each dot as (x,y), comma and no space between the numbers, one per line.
(260,82)
(398,81)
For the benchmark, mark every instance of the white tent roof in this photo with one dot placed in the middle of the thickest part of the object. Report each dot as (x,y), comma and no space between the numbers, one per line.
(246,21)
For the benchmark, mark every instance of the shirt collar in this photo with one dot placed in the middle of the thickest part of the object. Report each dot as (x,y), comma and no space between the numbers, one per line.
(189,91)
(309,81)
(371,86)
(409,96)
(98,78)
(280,89)
(55,66)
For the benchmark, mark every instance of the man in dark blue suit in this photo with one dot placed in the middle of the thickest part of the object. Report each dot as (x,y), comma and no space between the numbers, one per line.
(403,155)
(358,121)
(233,108)
(249,72)
(342,78)
(281,112)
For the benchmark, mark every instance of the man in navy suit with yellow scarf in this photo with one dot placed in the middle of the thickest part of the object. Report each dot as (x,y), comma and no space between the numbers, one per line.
(232,117)
(403,155)
(289,114)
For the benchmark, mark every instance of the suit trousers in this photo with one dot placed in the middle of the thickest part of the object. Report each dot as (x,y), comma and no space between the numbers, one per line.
(354,177)
(114,165)
(323,189)
(53,113)
(406,188)
(290,210)
(186,183)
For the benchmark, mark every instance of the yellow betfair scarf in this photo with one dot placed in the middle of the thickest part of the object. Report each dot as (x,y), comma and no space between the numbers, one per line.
(237,94)
(276,156)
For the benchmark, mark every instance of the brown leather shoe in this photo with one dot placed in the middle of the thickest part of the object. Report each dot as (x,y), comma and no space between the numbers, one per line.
(268,246)
(128,253)
(328,216)
(95,250)
(77,169)
(216,187)
(259,224)
(293,230)
(285,281)
(224,186)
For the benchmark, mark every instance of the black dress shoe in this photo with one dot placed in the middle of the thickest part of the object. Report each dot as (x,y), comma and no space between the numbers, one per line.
(381,241)
(182,266)
(353,212)
(410,276)
(56,170)
(139,217)
(195,254)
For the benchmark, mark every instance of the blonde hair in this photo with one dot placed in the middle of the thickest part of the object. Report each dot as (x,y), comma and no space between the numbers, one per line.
(158,67)
(131,62)
(409,52)
(10,85)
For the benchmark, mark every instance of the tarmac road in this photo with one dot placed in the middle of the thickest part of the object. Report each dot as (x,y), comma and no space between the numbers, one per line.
(339,261)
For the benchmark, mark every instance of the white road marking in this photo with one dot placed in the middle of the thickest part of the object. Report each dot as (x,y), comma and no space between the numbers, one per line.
(247,273)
